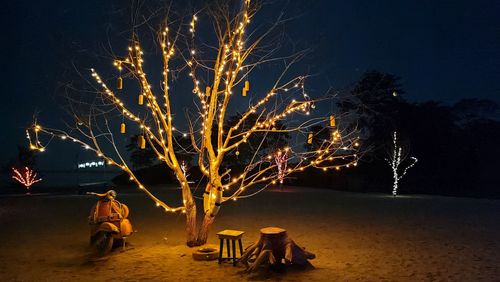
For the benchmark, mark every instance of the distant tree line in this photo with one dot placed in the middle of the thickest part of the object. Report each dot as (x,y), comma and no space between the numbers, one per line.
(457,145)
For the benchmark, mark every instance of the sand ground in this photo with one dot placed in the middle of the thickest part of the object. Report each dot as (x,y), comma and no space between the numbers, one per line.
(356,237)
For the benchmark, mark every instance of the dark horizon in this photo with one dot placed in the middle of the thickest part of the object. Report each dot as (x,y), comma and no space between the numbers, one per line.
(443,51)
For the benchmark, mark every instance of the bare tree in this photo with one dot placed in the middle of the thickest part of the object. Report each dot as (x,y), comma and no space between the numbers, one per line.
(27,177)
(396,157)
(281,160)
(217,73)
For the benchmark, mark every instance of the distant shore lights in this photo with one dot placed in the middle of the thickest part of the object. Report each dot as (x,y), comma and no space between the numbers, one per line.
(91,164)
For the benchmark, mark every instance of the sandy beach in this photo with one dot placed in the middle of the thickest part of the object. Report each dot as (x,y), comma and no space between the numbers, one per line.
(356,237)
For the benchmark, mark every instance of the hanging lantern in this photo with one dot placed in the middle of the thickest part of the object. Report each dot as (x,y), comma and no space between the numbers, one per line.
(141,99)
(310,138)
(122,128)
(332,121)
(119,83)
(207,91)
(237,153)
(246,88)
(142,142)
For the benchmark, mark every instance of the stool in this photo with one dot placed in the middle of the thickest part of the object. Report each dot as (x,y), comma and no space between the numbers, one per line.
(232,235)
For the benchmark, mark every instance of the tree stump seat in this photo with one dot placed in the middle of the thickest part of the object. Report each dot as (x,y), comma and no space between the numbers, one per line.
(231,236)
(274,247)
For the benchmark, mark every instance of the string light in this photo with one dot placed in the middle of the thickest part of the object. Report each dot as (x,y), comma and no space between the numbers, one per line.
(395,161)
(91,164)
(281,160)
(27,177)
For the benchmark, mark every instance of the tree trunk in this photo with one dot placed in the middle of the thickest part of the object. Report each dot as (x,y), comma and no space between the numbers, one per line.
(200,238)
(211,204)
(191,225)
(395,184)
(205,228)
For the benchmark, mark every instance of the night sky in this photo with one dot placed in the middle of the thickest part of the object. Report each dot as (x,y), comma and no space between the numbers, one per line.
(443,50)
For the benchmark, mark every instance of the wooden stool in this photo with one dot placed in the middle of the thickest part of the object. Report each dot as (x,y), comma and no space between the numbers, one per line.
(232,235)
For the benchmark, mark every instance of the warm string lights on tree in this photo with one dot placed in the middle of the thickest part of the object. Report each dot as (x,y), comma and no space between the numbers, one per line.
(35,144)
(281,160)
(227,70)
(395,161)
(26,176)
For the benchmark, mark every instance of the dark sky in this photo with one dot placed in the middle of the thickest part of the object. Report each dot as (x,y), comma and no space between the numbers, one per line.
(443,50)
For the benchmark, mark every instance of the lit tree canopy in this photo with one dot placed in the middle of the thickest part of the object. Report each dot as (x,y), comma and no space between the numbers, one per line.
(218,73)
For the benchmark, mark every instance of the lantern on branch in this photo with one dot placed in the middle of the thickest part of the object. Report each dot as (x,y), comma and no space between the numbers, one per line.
(142,142)
(332,121)
(119,83)
(246,88)
(122,128)
(310,138)
(141,99)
